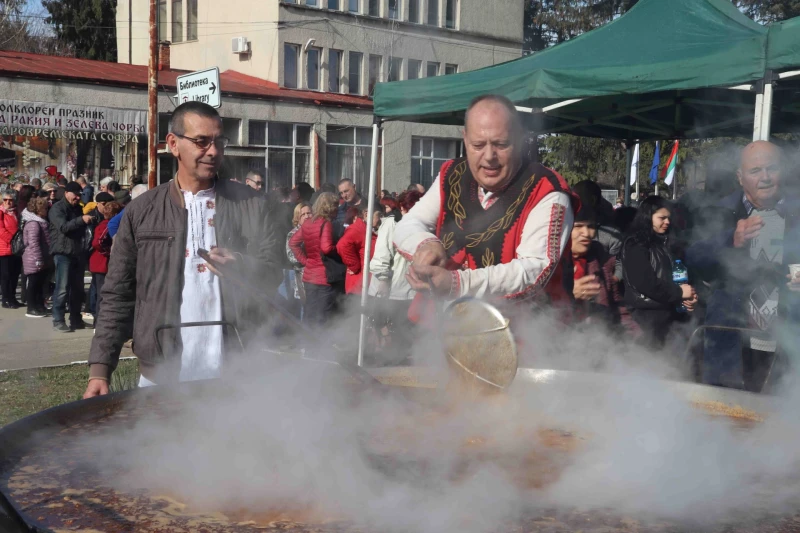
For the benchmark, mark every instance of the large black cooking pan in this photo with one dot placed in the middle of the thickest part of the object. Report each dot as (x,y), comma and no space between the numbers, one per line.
(21,437)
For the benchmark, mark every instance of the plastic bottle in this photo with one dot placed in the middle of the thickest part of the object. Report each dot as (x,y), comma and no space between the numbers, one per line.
(680,276)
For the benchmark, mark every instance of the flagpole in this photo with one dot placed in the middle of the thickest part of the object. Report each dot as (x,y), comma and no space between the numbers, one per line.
(638,165)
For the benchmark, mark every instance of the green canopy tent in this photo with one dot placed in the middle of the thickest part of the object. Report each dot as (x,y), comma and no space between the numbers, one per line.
(664,70)
(630,76)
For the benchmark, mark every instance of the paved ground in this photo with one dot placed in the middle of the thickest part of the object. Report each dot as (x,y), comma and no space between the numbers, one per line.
(32,342)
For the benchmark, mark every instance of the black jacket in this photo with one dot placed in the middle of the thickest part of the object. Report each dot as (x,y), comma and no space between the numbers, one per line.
(647,269)
(732,271)
(144,284)
(650,294)
(67,228)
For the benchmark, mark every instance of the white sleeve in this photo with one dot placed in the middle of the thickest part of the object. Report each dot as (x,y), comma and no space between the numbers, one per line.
(544,236)
(419,224)
(381,263)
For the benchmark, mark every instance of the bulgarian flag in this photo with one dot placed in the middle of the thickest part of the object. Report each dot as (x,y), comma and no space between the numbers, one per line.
(668,172)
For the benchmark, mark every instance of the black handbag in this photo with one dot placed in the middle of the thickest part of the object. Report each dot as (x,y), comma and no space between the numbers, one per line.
(335,270)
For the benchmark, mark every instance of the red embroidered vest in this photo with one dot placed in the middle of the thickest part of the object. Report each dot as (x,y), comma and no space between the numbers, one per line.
(474,237)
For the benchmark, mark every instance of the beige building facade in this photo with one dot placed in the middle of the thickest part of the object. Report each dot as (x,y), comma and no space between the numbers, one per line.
(333,46)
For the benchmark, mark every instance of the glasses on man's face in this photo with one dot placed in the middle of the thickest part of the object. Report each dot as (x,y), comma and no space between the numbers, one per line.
(8,200)
(204,143)
(256,183)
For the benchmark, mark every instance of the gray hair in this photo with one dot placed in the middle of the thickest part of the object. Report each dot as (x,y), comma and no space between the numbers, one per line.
(81,180)
(10,193)
(105,181)
(138,190)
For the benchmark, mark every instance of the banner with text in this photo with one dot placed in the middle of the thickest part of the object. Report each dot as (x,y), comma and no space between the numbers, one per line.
(42,119)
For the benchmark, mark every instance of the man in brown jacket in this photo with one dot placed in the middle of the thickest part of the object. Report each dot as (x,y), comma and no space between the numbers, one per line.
(156,275)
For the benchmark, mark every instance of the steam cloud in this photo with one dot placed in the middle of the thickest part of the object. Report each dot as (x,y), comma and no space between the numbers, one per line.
(290,438)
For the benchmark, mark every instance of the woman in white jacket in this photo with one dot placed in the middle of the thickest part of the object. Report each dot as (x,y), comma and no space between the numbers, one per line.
(390,287)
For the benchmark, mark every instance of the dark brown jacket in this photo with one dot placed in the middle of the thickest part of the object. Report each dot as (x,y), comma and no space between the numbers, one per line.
(145,275)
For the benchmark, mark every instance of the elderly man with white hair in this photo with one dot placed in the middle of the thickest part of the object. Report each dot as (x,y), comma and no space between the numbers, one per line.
(104,183)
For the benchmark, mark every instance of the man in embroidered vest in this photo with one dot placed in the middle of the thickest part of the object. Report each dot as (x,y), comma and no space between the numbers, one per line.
(494,224)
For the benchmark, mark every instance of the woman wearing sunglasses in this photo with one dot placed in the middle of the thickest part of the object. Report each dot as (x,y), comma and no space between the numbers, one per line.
(10,264)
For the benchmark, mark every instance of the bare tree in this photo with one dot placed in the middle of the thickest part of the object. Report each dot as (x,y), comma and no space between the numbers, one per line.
(23,31)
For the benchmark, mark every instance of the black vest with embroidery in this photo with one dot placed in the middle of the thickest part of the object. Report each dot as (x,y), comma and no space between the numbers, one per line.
(476,237)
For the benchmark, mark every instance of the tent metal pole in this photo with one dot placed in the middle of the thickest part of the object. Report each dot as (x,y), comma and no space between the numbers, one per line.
(757,117)
(629,159)
(373,174)
(762,121)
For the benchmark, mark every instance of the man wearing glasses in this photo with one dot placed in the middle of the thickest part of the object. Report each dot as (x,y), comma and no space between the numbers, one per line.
(254,180)
(157,275)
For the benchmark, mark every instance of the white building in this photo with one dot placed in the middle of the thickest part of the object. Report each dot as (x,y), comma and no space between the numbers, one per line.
(331,46)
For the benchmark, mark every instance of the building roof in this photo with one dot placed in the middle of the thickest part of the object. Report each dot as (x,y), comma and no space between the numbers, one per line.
(44,67)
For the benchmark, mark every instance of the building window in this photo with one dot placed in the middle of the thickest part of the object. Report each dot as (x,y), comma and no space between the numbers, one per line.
(311,3)
(394,9)
(333,4)
(191,20)
(291,54)
(312,68)
(451,13)
(433,12)
(414,69)
(374,72)
(354,73)
(352,6)
(177,21)
(395,68)
(374,8)
(428,156)
(413,11)
(450,69)
(163,126)
(257,133)
(348,153)
(334,71)
(162,20)
(288,154)
(432,69)
(232,129)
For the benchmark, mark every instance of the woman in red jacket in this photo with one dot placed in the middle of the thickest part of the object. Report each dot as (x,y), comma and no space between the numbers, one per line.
(10,264)
(101,249)
(312,240)
(351,248)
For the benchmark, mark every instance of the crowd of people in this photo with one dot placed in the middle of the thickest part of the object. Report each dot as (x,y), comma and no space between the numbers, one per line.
(51,230)
(494,225)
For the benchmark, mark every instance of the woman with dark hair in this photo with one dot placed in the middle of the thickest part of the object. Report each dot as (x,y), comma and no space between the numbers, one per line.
(36,257)
(596,290)
(647,262)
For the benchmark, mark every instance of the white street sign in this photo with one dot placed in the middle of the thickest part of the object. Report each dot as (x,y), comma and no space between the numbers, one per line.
(200,86)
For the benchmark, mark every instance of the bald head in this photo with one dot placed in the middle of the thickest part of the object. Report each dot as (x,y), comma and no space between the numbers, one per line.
(760,172)
(493,140)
